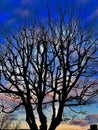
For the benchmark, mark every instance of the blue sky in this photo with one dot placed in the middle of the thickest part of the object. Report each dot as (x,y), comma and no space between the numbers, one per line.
(13,11)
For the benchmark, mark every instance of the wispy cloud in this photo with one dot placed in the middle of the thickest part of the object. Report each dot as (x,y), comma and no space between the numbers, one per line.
(22,12)
(80,122)
(10,21)
(89,119)
(94,14)
(92,118)
(27,1)
(84,1)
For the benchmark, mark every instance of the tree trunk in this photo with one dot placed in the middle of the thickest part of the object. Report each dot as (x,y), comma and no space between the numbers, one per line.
(31,123)
(42,118)
(54,124)
(58,118)
(30,118)
(43,127)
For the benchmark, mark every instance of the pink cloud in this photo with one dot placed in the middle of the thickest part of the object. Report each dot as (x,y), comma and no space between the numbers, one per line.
(89,119)
(92,118)
(9,102)
(79,122)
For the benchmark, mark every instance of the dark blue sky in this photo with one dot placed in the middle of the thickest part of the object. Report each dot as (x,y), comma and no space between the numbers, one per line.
(13,11)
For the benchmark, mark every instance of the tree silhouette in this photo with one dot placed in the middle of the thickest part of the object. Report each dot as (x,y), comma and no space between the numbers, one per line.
(49,64)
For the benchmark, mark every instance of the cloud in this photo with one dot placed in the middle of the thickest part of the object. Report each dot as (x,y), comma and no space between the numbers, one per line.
(10,21)
(26,2)
(94,14)
(9,102)
(89,119)
(92,118)
(20,12)
(79,122)
(84,1)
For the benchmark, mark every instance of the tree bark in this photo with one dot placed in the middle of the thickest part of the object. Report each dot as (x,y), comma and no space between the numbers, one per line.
(42,118)
(58,118)
(30,118)
(31,123)
(54,124)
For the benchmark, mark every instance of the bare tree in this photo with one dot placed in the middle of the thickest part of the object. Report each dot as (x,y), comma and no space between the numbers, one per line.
(49,64)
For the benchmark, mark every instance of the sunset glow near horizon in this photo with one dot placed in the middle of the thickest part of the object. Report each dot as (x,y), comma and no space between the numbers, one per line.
(12,13)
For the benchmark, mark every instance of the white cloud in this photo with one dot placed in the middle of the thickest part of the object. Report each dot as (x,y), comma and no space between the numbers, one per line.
(94,14)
